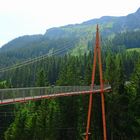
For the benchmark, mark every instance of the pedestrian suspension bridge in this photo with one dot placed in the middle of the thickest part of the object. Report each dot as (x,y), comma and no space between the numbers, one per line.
(13,95)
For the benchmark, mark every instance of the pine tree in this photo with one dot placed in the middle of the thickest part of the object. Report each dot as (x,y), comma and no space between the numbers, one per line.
(42,79)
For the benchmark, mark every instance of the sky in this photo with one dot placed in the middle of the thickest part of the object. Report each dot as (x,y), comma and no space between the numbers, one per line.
(27,17)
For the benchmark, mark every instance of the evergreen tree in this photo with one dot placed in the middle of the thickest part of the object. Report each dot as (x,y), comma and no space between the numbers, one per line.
(42,79)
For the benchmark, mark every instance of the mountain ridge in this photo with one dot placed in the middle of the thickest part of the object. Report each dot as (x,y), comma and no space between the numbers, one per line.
(80,34)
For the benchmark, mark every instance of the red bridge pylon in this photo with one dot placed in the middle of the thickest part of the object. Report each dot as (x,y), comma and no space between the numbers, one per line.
(97,54)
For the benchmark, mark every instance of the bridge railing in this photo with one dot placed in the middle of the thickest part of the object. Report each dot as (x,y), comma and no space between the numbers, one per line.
(14,93)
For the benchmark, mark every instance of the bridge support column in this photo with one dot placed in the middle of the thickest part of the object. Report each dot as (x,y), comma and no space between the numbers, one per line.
(97,52)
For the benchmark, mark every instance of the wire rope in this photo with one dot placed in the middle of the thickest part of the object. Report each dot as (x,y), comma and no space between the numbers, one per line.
(69,45)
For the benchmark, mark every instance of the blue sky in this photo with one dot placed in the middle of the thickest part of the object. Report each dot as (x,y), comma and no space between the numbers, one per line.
(21,17)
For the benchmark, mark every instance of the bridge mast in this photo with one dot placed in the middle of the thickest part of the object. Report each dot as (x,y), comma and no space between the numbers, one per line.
(97,54)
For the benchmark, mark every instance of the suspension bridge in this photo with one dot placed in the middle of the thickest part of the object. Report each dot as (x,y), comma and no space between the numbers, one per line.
(13,95)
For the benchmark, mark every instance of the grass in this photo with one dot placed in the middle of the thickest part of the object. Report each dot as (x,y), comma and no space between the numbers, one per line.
(133,49)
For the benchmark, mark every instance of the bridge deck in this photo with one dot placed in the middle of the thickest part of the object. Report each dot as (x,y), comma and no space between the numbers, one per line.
(12,95)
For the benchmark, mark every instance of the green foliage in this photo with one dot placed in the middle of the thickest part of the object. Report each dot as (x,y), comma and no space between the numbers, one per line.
(76,37)
(128,39)
(3,84)
(65,118)
(42,80)
(134,49)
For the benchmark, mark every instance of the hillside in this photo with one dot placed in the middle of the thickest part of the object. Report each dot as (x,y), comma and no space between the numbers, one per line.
(108,26)
(65,118)
(76,37)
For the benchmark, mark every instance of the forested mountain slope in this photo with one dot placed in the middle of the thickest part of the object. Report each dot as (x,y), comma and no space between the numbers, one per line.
(78,38)
(65,118)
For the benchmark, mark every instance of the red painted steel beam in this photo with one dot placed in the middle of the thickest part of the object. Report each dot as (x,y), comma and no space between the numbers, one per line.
(91,96)
(97,54)
(26,99)
(102,91)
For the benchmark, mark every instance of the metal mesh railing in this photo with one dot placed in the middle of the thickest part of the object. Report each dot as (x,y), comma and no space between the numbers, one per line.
(14,94)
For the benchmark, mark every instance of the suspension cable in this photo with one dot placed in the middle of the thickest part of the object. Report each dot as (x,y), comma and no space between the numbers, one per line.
(65,47)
